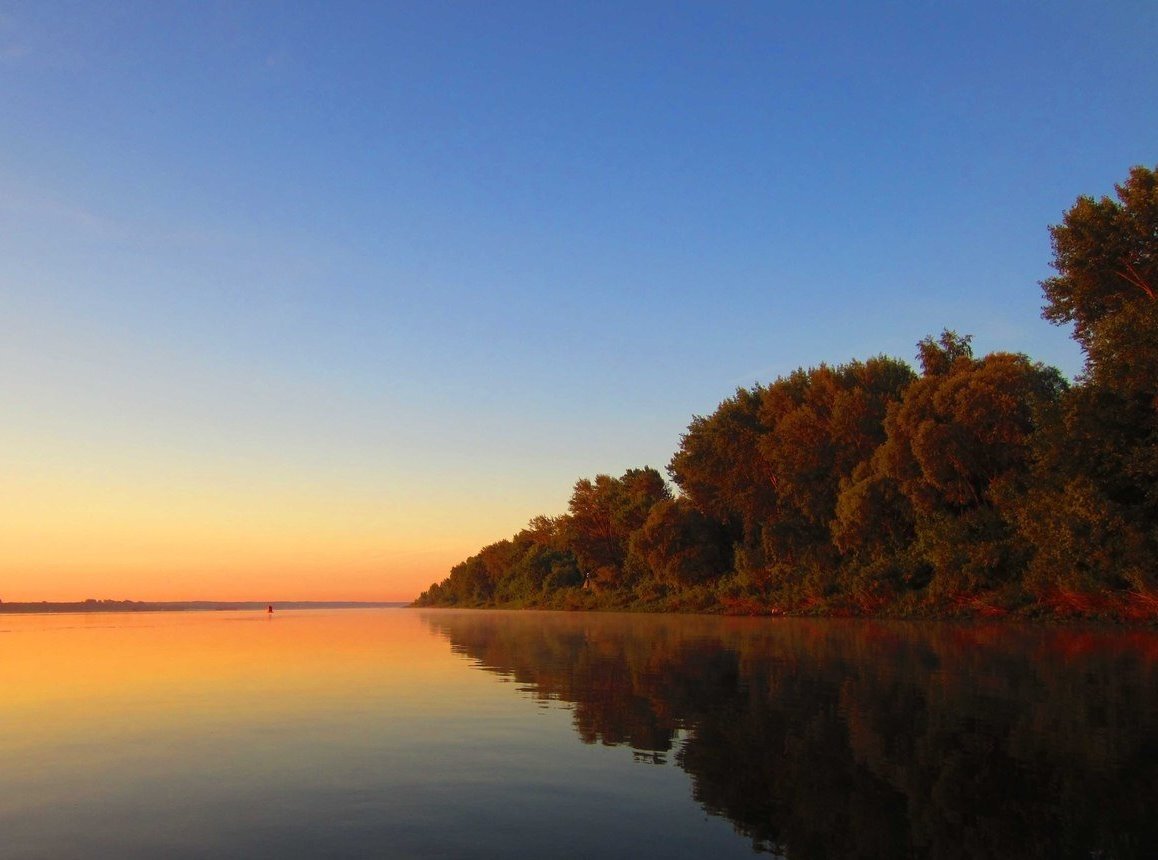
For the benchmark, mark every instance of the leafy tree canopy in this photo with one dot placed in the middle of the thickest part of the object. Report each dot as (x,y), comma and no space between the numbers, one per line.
(1106,257)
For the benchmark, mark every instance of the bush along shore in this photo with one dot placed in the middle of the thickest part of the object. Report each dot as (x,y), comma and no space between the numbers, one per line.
(971,486)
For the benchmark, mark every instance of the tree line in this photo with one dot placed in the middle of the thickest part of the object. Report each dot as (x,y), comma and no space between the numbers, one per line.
(971,485)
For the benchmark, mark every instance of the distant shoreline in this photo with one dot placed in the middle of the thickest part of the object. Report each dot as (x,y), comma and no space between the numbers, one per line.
(50,606)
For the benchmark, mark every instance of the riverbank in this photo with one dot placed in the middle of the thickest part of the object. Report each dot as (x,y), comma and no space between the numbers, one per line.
(1061,606)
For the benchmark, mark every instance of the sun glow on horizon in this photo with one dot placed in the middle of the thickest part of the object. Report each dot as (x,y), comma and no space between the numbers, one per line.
(330,299)
(76,540)
(110,522)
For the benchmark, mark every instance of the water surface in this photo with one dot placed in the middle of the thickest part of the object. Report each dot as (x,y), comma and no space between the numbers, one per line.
(428,733)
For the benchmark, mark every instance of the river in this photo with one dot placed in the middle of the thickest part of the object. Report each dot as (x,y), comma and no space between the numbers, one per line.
(443,733)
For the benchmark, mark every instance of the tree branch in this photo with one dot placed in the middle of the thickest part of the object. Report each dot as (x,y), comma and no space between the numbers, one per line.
(1131,276)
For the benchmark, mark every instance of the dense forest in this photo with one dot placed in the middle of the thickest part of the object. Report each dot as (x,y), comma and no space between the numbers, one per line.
(973,486)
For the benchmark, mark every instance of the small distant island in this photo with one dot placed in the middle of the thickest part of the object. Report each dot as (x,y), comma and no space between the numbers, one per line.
(179,606)
(980,486)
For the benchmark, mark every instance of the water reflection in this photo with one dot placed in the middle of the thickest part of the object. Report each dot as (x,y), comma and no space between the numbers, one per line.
(862,739)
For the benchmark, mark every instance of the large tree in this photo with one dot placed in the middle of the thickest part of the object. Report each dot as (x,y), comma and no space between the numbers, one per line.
(769,463)
(823,422)
(959,448)
(681,546)
(1106,257)
(1093,509)
(603,514)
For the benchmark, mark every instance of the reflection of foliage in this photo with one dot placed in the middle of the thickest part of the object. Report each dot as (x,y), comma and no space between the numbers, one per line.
(864,739)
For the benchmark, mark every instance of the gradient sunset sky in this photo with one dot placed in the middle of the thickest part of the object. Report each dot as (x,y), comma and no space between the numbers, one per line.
(312,300)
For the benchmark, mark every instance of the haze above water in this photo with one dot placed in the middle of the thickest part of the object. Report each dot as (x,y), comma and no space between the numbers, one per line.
(442,733)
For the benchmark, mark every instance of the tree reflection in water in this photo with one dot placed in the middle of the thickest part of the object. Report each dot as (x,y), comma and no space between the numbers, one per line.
(827,738)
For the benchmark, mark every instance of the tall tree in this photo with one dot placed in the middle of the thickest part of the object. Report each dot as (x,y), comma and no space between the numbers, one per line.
(1106,257)
(959,448)
(719,469)
(604,513)
(681,546)
(822,422)
(1092,512)
(718,465)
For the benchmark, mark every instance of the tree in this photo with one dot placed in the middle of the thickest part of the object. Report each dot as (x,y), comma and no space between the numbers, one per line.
(718,466)
(959,448)
(822,423)
(1092,512)
(1106,256)
(939,356)
(874,530)
(769,462)
(682,546)
(602,516)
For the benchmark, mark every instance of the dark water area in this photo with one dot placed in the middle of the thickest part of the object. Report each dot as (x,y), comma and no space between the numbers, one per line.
(442,733)
(832,738)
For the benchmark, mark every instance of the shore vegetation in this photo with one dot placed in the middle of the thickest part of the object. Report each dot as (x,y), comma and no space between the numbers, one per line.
(968,486)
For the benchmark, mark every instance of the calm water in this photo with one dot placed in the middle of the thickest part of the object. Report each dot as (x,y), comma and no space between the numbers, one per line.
(426,733)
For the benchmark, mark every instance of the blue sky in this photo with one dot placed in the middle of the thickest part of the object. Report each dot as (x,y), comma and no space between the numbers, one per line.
(404,272)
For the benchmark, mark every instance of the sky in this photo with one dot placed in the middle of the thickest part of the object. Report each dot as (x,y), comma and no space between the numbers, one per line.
(313,300)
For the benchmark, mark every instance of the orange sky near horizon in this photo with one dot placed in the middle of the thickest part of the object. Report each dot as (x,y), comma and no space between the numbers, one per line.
(230,580)
(325,301)
(71,538)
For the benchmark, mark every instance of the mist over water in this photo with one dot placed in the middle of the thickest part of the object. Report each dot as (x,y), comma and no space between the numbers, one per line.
(347,733)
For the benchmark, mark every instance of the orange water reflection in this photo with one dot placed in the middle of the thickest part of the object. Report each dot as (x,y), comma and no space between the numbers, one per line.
(312,733)
(374,733)
(97,672)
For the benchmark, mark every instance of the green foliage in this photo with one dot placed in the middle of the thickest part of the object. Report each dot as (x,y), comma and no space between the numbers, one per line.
(873,516)
(718,466)
(603,514)
(962,434)
(822,423)
(681,546)
(1106,256)
(1092,511)
(985,484)
(954,434)
(769,462)
(939,356)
